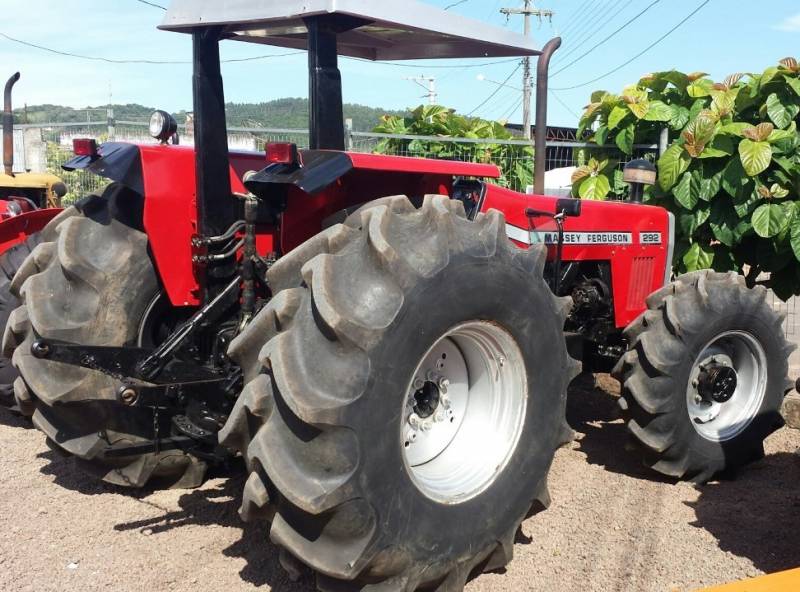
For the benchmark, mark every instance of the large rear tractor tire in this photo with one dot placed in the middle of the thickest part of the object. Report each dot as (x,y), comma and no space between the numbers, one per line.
(10,263)
(91,286)
(705,375)
(405,394)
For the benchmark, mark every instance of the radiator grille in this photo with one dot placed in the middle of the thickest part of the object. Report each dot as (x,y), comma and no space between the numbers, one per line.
(641,281)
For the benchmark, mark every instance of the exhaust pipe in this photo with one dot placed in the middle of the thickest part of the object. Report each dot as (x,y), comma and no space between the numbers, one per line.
(8,127)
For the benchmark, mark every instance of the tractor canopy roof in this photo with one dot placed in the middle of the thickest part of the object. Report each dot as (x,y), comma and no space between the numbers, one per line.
(372,29)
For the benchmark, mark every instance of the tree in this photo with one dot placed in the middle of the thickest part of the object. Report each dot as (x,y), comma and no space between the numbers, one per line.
(731,175)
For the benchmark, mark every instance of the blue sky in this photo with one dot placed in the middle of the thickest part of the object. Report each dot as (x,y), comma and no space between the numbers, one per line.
(724,37)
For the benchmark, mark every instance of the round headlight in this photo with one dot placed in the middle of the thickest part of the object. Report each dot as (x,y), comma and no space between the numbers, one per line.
(162,126)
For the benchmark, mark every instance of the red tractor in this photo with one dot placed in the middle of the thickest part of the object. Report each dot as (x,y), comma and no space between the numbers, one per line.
(393,370)
(28,201)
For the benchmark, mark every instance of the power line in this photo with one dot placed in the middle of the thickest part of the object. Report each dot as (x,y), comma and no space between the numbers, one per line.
(517,104)
(612,15)
(497,90)
(136,61)
(588,27)
(564,104)
(153,4)
(573,17)
(454,4)
(502,103)
(618,30)
(529,10)
(235,60)
(641,53)
(583,22)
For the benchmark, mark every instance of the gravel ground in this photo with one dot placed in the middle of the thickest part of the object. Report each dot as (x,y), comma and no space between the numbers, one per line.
(612,526)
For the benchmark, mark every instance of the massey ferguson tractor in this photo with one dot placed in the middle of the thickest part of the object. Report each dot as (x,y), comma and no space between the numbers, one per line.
(28,201)
(385,341)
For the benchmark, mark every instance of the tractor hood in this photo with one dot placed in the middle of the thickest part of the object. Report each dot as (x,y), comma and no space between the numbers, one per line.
(322,168)
(28,181)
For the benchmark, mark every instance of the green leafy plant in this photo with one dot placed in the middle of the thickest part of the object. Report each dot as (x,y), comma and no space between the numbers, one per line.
(731,174)
(515,161)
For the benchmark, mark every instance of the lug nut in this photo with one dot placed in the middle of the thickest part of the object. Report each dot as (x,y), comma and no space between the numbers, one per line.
(443,384)
(698,399)
(414,420)
(418,383)
(40,349)
(128,396)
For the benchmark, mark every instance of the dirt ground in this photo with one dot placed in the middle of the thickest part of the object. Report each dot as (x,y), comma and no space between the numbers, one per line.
(613,526)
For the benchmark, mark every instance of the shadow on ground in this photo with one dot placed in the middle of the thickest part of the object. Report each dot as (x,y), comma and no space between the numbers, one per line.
(757,516)
(218,505)
(14,420)
(215,503)
(592,411)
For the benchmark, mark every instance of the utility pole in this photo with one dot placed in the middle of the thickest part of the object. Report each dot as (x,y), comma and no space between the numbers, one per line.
(527,84)
(429,84)
(110,123)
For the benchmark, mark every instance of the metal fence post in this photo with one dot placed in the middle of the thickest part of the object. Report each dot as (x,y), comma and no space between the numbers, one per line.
(348,134)
(663,141)
(112,132)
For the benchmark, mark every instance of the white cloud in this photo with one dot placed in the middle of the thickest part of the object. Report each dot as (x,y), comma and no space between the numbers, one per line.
(790,23)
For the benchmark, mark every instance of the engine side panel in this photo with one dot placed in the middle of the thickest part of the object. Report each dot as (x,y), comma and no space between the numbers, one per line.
(634,238)
(170,214)
(170,211)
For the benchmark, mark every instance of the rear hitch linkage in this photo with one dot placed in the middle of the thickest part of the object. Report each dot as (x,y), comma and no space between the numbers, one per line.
(157,378)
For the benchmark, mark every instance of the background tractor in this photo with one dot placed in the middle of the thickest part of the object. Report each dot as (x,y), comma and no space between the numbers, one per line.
(28,201)
(385,341)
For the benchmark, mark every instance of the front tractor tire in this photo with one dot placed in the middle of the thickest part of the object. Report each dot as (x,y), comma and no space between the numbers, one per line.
(91,285)
(405,394)
(705,375)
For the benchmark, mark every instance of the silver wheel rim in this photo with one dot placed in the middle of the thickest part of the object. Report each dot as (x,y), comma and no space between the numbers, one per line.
(723,421)
(464,412)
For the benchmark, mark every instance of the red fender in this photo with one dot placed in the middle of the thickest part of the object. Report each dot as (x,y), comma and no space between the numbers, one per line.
(15,229)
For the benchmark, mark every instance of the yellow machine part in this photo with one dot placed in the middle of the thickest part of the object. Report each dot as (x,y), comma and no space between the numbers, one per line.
(35,181)
(785,581)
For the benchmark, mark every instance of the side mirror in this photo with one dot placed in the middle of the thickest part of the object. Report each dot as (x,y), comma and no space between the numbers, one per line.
(571,207)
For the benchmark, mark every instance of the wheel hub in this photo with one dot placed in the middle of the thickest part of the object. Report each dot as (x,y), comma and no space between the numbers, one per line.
(717,383)
(427,399)
(727,385)
(464,411)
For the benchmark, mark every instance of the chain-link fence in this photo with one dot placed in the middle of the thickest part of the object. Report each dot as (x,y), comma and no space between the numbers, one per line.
(514,157)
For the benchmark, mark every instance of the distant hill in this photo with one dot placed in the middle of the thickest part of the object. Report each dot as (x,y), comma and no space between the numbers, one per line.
(281,113)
